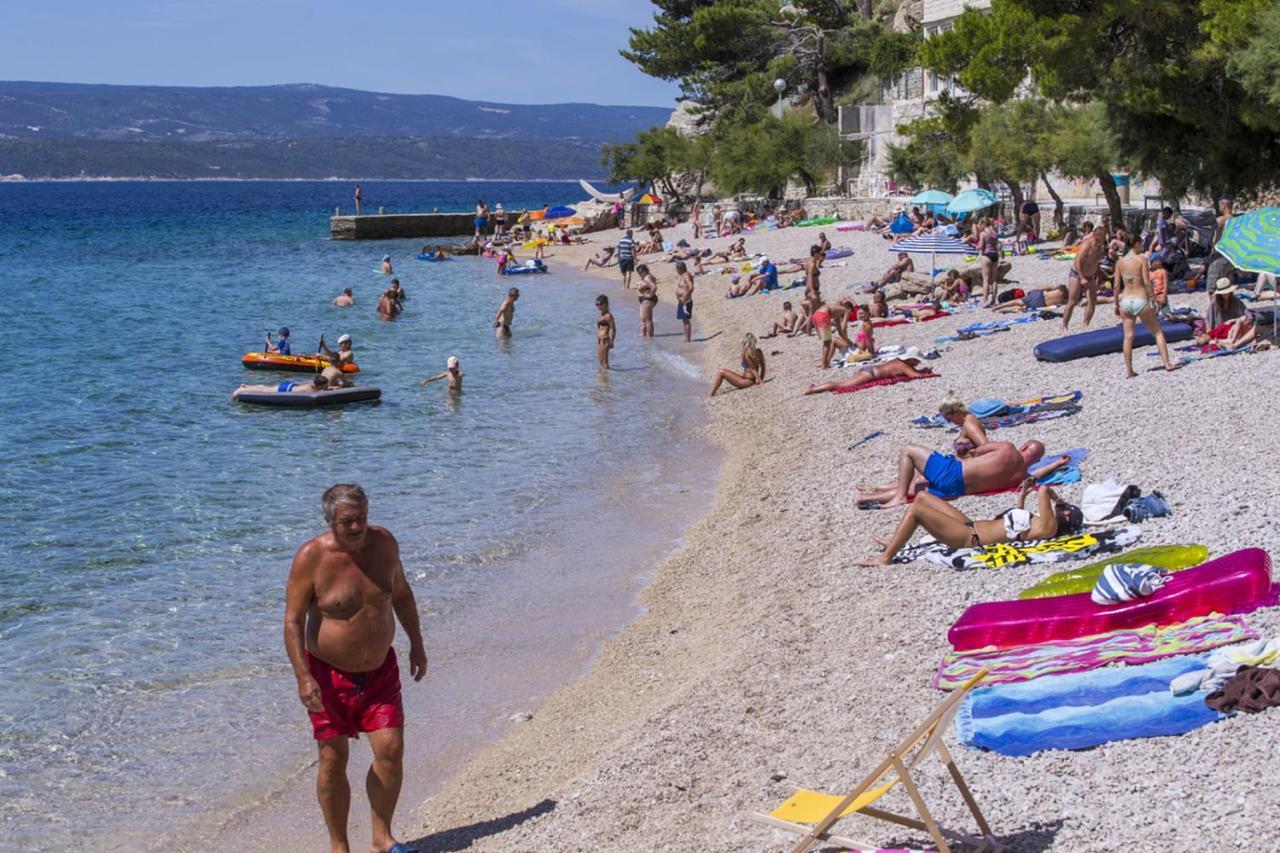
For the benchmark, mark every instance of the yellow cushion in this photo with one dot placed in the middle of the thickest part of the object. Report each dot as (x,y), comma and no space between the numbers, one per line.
(812,806)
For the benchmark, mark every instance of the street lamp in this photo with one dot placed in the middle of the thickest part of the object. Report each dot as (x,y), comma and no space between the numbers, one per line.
(779,86)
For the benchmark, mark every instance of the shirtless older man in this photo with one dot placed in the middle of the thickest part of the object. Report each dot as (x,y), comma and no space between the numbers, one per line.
(1085,274)
(345,590)
(989,468)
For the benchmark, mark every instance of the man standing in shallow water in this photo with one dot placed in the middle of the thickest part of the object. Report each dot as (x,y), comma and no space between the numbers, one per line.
(345,590)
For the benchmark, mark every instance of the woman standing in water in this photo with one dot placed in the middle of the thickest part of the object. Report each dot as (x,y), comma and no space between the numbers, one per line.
(1134,302)
(648,290)
(606,331)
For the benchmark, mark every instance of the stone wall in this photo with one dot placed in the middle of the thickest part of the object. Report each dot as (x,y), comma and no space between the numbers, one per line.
(854,209)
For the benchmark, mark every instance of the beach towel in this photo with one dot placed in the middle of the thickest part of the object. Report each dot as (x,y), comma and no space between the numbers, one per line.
(1012,414)
(1175,558)
(1083,709)
(1120,582)
(893,380)
(1140,645)
(1005,554)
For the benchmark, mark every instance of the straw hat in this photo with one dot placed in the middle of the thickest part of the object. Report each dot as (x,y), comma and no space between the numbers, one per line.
(1223,287)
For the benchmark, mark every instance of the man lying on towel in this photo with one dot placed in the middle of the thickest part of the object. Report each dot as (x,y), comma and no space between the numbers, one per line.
(994,467)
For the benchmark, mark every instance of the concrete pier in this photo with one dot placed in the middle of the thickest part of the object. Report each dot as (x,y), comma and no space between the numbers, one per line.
(392,225)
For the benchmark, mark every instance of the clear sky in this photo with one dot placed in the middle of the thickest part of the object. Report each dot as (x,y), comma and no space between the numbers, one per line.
(517,51)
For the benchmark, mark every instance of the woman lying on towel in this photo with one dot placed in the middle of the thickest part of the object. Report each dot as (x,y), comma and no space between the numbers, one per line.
(752,368)
(954,529)
(898,368)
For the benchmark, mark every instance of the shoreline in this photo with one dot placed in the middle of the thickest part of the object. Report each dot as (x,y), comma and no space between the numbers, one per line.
(495,659)
(764,660)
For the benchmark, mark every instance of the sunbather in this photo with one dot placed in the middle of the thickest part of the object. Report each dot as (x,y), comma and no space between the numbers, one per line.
(765,279)
(737,251)
(1035,300)
(1230,324)
(895,271)
(898,367)
(602,259)
(995,466)
(786,324)
(753,368)
(972,433)
(954,529)
(879,306)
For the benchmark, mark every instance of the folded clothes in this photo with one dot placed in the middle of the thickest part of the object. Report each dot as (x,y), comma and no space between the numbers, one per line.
(1250,690)
(1223,663)
(1139,645)
(1082,709)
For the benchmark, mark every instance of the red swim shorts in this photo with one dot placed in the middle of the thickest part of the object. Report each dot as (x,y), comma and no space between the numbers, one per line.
(356,702)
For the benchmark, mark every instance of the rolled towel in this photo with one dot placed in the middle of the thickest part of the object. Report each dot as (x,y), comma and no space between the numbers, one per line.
(1127,581)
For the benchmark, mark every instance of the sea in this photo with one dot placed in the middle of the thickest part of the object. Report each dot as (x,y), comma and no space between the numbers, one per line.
(150,521)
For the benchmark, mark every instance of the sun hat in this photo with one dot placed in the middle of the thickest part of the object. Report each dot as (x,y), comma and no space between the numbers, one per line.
(284,332)
(912,352)
(386,257)
(452,362)
(344,339)
(1224,285)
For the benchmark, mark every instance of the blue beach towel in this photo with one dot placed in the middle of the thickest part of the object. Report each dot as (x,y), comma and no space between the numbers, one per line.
(1083,709)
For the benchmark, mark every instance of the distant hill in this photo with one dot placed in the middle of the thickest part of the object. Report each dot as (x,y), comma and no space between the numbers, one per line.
(71,129)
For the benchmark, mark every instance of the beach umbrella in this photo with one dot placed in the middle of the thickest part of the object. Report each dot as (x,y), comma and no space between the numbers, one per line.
(931,197)
(649,198)
(560,212)
(971,200)
(1251,241)
(932,245)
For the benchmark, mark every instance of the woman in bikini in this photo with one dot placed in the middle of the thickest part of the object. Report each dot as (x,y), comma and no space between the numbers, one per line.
(989,249)
(1134,302)
(894,369)
(753,368)
(648,290)
(954,529)
(606,331)
(972,433)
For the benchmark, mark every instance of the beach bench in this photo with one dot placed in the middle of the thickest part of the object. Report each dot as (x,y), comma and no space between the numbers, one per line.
(812,814)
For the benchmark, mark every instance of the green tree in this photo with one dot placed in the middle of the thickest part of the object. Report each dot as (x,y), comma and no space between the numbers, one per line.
(1083,146)
(658,155)
(1161,75)
(936,153)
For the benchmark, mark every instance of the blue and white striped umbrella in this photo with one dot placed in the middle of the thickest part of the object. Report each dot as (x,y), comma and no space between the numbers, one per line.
(933,245)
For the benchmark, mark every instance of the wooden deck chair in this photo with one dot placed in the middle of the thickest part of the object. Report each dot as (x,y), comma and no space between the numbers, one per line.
(812,814)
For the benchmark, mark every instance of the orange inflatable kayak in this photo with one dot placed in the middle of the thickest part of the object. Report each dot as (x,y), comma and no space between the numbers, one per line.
(299,363)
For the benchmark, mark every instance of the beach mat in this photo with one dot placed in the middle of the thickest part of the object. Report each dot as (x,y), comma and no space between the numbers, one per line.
(1140,645)
(1239,582)
(1105,341)
(1075,581)
(1006,554)
(1083,709)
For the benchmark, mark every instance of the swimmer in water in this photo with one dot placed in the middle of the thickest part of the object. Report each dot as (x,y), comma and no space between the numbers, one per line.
(506,313)
(344,299)
(451,372)
(386,265)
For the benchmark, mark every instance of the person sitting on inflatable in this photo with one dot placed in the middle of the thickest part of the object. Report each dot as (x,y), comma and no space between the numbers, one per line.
(994,467)
(345,354)
(282,347)
(951,527)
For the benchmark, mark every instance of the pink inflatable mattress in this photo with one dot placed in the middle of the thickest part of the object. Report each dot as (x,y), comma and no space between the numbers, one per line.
(1236,583)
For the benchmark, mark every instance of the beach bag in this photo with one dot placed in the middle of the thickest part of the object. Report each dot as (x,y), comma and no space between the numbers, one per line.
(901,224)
(1120,582)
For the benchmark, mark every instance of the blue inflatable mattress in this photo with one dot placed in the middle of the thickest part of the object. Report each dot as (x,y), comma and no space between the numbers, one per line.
(1105,341)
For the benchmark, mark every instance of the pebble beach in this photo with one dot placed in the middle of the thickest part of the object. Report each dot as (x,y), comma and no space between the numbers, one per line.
(765,659)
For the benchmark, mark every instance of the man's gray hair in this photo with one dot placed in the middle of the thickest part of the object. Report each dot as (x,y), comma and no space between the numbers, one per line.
(349,494)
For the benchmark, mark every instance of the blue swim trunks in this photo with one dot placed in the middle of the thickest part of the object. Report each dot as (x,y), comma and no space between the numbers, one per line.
(945,475)
(684,310)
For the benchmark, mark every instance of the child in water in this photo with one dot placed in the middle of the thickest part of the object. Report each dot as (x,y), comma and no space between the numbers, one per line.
(451,372)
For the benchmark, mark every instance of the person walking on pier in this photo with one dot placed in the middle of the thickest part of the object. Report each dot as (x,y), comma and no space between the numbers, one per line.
(359,195)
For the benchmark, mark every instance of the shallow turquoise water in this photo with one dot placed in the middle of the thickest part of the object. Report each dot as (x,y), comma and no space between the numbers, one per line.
(149,521)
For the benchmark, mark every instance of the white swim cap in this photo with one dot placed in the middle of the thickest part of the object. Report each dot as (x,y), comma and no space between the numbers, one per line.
(452,362)
(344,339)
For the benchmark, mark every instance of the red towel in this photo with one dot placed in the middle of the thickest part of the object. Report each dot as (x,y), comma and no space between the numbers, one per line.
(886,321)
(893,380)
